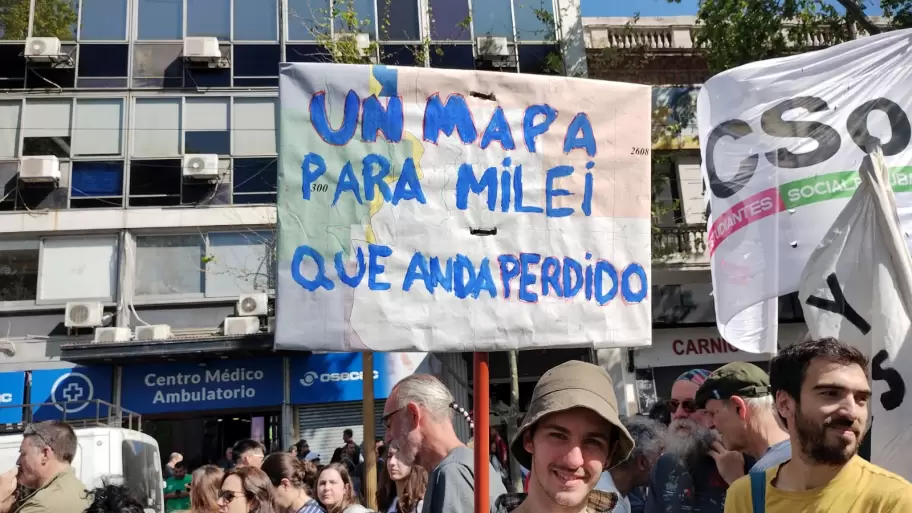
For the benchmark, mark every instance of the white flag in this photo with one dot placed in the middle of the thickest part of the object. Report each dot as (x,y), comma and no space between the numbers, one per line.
(856,288)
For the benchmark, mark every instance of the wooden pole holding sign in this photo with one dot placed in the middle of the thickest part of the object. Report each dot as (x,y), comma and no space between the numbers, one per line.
(482,414)
(369,479)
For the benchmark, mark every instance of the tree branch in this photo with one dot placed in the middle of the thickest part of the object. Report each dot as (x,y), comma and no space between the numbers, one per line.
(855,11)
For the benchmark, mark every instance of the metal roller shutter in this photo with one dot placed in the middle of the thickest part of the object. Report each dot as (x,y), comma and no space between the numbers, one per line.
(322,425)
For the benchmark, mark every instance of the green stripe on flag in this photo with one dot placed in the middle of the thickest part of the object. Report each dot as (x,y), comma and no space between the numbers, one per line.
(836,186)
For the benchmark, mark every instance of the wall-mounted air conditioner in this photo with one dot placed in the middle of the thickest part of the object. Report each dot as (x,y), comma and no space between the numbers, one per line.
(43,168)
(83,314)
(153,332)
(240,326)
(202,49)
(201,166)
(252,305)
(42,48)
(112,334)
(491,47)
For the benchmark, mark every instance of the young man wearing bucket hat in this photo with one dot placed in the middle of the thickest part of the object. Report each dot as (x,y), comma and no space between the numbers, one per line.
(570,435)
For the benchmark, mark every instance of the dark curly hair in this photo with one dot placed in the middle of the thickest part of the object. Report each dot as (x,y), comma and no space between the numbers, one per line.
(113,499)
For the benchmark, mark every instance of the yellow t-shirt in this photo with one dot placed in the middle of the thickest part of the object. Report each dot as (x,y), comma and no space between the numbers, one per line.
(860,487)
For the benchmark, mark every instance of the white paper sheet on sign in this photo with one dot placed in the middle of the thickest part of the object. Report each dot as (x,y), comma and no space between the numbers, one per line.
(857,287)
(782,141)
(441,210)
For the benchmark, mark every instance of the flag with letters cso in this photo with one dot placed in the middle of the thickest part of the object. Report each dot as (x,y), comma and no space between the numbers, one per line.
(857,287)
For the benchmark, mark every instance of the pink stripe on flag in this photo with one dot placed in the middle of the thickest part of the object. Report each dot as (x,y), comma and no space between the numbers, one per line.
(755,208)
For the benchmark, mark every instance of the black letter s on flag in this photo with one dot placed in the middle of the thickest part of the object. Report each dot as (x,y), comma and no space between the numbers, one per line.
(893,398)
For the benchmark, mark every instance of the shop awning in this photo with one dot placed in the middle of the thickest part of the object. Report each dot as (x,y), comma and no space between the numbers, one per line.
(203,347)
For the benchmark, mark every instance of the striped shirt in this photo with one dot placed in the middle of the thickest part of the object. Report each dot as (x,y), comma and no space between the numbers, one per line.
(311,506)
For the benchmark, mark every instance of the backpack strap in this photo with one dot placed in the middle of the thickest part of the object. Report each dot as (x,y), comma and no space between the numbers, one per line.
(758,491)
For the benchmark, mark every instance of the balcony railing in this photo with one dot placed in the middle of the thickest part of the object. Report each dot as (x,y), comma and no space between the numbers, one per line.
(679,241)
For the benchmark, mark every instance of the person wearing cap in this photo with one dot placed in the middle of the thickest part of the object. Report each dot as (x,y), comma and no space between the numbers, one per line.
(738,398)
(686,478)
(570,435)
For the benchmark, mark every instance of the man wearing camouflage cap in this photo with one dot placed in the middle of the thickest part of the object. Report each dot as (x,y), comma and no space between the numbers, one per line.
(570,435)
(740,401)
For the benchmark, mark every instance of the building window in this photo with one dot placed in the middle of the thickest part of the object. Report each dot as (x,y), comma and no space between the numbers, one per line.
(48,76)
(9,128)
(157,66)
(534,20)
(46,127)
(103,20)
(9,181)
(401,27)
(209,18)
(55,18)
(256,20)
(103,66)
(452,56)
(99,127)
(492,18)
(96,184)
(78,268)
(155,183)
(18,271)
(160,20)
(356,16)
(206,126)
(156,127)
(204,76)
(211,265)
(254,181)
(15,195)
(683,304)
(450,20)
(12,63)
(400,55)
(540,59)
(256,65)
(254,126)
(307,19)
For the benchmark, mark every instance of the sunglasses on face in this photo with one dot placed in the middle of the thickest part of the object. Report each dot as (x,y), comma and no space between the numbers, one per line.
(689,405)
(228,496)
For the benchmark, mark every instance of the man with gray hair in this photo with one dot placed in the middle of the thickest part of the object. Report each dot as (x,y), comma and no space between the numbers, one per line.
(739,399)
(45,455)
(648,436)
(419,425)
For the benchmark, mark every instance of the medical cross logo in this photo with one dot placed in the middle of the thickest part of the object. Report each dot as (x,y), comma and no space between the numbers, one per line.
(70,387)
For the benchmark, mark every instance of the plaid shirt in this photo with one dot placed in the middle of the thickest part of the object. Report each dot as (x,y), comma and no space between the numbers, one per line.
(599,502)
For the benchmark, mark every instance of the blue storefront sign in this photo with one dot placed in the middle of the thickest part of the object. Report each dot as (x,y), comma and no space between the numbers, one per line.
(72,393)
(214,385)
(12,393)
(338,377)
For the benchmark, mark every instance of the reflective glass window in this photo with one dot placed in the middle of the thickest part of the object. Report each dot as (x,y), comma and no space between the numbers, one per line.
(46,127)
(449,20)
(10,114)
(540,59)
(355,16)
(534,20)
(256,60)
(160,20)
(206,126)
(254,127)
(209,18)
(254,180)
(305,53)
(256,20)
(400,55)
(201,75)
(96,184)
(403,26)
(452,57)
(102,65)
(157,66)
(307,18)
(103,20)
(13,65)
(53,77)
(492,18)
(155,182)
(55,18)
(99,127)
(156,127)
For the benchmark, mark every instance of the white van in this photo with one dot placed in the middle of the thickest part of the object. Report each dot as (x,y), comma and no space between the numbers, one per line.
(108,454)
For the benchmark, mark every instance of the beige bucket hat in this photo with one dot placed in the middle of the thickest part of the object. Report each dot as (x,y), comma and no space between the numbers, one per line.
(574,384)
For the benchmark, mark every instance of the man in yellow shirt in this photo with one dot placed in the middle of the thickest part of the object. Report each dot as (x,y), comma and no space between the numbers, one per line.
(822,395)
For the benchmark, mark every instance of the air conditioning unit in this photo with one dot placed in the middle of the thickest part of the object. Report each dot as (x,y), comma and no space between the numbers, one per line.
(83,314)
(492,47)
(252,305)
(362,40)
(202,49)
(44,168)
(201,166)
(239,326)
(42,48)
(153,332)
(112,334)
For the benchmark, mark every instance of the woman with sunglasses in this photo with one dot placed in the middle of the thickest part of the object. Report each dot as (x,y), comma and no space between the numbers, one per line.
(247,490)
(335,491)
(204,489)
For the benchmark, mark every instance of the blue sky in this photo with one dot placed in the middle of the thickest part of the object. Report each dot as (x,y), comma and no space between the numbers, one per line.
(659,7)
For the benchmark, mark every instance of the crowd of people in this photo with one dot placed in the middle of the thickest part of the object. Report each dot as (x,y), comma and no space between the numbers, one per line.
(737,440)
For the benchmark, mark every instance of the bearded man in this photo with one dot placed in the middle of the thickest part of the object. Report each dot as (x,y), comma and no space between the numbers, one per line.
(686,478)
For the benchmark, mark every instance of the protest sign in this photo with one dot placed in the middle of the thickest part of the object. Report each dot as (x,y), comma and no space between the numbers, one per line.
(443,210)
(857,288)
(782,141)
